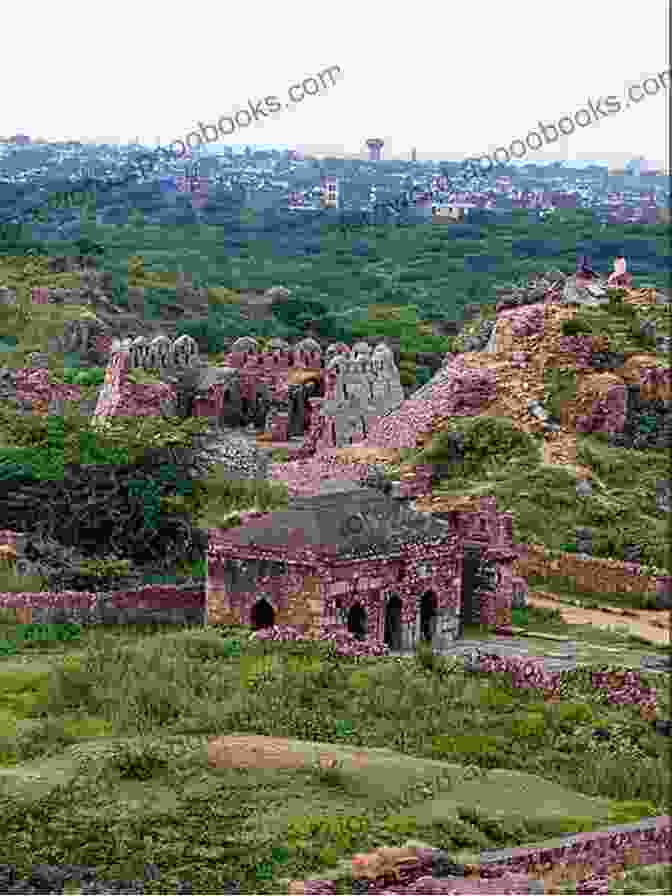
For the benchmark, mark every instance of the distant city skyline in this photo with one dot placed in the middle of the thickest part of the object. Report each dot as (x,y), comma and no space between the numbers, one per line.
(473,83)
(240,149)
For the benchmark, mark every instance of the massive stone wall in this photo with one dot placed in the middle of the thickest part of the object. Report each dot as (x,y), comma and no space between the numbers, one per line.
(118,397)
(590,574)
(164,604)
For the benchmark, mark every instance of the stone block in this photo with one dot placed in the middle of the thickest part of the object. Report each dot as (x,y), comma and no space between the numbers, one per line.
(584,488)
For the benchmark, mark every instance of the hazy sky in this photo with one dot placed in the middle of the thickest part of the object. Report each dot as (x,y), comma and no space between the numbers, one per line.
(451,80)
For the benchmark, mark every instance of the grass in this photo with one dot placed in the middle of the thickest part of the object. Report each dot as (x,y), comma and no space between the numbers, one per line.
(547,620)
(654,880)
(542,499)
(116,729)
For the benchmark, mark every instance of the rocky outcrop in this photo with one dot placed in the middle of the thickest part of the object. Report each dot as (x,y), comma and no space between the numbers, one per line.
(236,455)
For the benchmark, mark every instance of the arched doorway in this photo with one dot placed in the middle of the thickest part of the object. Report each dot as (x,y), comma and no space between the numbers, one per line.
(357,622)
(427,616)
(393,623)
(263,614)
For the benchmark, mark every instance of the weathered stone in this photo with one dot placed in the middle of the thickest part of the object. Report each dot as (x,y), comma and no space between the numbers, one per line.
(664,495)
(632,553)
(584,540)
(278,293)
(38,360)
(584,488)
(7,296)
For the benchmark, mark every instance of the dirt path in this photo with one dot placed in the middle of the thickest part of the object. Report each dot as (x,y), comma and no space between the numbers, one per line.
(654,625)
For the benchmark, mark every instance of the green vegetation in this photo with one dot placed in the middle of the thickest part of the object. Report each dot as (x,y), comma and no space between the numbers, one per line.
(502,461)
(652,880)
(490,444)
(560,388)
(117,729)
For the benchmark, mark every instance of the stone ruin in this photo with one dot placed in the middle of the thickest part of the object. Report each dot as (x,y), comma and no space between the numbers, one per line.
(278,390)
(119,397)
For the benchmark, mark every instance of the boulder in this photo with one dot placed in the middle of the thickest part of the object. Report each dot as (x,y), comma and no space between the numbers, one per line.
(519,594)
(664,593)
(7,296)
(584,488)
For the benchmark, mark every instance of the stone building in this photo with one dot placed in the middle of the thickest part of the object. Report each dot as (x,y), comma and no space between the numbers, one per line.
(361,386)
(366,560)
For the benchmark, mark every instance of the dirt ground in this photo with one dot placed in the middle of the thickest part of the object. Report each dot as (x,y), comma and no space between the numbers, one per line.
(654,625)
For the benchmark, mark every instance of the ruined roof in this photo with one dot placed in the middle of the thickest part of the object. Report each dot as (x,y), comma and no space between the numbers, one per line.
(344,521)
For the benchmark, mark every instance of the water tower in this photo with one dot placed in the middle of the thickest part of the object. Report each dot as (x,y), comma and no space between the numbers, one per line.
(375,146)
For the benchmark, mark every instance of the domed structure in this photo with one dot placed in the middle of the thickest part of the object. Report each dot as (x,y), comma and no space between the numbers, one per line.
(184,351)
(307,353)
(382,357)
(245,344)
(361,348)
(383,348)
(335,348)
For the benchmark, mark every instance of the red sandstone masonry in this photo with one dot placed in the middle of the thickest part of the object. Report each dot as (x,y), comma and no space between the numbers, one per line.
(591,574)
(591,854)
(149,597)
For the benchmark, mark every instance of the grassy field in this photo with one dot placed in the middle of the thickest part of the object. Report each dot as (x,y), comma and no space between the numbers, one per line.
(102,757)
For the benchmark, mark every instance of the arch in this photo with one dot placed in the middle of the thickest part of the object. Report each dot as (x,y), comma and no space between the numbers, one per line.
(262,615)
(357,621)
(393,622)
(427,616)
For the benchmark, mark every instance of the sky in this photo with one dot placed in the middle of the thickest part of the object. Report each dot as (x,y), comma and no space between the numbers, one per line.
(451,81)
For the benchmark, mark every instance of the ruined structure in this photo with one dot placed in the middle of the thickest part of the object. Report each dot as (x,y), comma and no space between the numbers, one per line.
(363,559)
(361,386)
(280,390)
(119,397)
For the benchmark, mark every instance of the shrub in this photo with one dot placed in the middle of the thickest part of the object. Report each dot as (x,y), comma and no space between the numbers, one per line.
(519,616)
(8,648)
(481,747)
(138,762)
(626,811)
(576,326)
(575,712)
(496,697)
(533,726)
(489,444)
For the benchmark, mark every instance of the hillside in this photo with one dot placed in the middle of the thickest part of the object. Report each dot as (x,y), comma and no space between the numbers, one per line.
(516,350)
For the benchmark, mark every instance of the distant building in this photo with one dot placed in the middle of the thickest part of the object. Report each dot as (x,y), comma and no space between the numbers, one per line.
(296,200)
(329,192)
(20,139)
(456,211)
(414,155)
(375,146)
